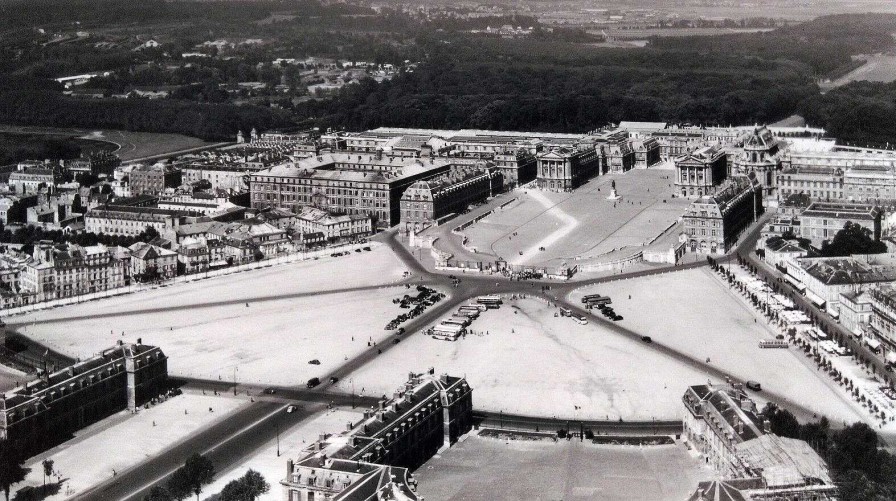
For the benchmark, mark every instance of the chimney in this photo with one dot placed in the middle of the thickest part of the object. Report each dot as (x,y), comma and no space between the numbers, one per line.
(348,426)
(382,404)
(322,437)
(139,340)
(766,426)
(289,468)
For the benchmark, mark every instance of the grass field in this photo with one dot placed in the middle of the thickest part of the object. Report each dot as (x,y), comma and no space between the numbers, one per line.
(127,145)
(879,68)
(481,468)
(582,224)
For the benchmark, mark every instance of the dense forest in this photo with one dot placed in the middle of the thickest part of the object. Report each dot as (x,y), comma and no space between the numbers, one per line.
(18,147)
(553,80)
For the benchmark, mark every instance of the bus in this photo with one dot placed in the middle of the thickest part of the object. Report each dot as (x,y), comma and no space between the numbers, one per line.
(596,299)
(491,302)
(447,332)
(565,312)
(580,319)
(773,343)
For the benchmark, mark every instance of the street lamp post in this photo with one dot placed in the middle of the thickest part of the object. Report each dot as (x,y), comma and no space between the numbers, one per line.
(352,381)
(234,380)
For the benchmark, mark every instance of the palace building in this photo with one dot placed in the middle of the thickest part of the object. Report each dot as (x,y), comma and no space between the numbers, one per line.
(699,172)
(343,183)
(712,223)
(563,169)
(725,427)
(427,201)
(48,410)
(372,458)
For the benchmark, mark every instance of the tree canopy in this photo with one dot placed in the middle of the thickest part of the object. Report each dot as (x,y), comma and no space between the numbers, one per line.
(852,239)
(246,488)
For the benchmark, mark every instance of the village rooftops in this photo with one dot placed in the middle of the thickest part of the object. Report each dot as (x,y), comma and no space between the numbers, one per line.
(857,269)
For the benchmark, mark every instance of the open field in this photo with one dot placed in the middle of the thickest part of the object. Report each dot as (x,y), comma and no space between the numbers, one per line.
(130,145)
(527,361)
(879,68)
(582,224)
(480,468)
(695,313)
(208,331)
(292,441)
(124,440)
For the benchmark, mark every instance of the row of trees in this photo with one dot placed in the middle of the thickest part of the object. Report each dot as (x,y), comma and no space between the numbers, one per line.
(27,236)
(197,472)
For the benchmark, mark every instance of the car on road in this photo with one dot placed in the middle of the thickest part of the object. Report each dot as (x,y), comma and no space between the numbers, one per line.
(313,382)
(333,379)
(290,409)
(753,385)
(646,339)
(396,341)
(270,391)
(314,362)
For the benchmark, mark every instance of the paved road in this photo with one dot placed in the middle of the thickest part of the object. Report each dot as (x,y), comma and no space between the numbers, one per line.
(233,439)
(822,318)
(226,443)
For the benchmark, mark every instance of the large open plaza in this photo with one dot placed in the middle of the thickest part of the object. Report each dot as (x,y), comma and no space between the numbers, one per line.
(582,226)
(694,313)
(481,468)
(261,327)
(523,359)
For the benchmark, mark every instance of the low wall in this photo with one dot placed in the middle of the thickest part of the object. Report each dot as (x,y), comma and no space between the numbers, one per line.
(615,265)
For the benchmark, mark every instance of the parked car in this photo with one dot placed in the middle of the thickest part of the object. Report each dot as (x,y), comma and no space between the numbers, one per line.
(333,379)
(313,382)
(646,339)
(290,409)
(270,391)
(314,362)
(753,385)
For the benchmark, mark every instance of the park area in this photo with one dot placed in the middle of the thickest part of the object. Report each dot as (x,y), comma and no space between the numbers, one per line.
(695,313)
(262,326)
(523,359)
(877,68)
(123,441)
(480,468)
(583,225)
(127,145)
